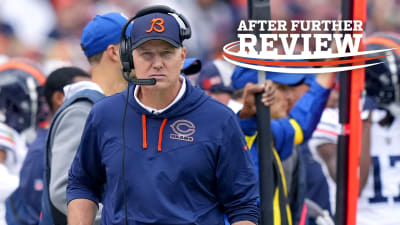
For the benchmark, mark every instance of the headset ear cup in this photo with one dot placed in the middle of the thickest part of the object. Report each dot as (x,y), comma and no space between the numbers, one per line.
(124,55)
(184,34)
(130,56)
(132,66)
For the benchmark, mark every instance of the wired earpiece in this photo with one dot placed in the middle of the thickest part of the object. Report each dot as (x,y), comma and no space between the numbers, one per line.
(126,45)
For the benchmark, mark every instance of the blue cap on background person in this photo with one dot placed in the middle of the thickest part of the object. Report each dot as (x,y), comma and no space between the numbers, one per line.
(156,26)
(215,77)
(101,32)
(241,76)
(191,66)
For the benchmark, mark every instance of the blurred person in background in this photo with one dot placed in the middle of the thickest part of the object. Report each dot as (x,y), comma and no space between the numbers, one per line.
(379,187)
(299,101)
(37,22)
(215,80)
(311,9)
(31,21)
(192,67)
(6,39)
(383,16)
(319,154)
(20,85)
(100,43)
(123,6)
(23,206)
(71,17)
(61,53)
(380,159)
(62,47)
(317,192)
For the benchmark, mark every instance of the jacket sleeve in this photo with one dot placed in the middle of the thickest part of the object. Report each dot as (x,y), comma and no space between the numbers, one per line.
(308,110)
(282,130)
(65,136)
(87,175)
(237,181)
(300,124)
(248,126)
(283,135)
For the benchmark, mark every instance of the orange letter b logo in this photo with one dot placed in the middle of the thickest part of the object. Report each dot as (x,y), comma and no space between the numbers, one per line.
(156,25)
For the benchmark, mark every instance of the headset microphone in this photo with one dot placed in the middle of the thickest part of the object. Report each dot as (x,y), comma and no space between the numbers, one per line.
(150,81)
(136,81)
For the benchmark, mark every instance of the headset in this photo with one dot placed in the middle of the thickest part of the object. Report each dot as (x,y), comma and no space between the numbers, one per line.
(125,51)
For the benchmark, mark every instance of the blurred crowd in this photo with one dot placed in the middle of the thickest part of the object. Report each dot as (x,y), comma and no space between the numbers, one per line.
(47,35)
(48,31)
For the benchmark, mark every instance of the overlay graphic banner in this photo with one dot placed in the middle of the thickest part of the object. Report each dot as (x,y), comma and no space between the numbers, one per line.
(321,60)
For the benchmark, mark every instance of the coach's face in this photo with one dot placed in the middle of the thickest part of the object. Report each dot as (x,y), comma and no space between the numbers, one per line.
(159,60)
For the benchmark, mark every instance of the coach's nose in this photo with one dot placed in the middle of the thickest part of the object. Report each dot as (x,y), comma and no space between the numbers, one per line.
(157,63)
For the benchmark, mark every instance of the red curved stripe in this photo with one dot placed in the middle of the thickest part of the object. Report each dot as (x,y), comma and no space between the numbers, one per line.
(299,64)
(385,42)
(25,67)
(232,44)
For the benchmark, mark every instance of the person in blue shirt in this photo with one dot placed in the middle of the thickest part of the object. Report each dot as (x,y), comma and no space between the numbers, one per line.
(23,206)
(176,157)
(299,102)
(297,120)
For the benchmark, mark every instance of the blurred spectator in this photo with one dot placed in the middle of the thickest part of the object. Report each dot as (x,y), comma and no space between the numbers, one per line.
(383,16)
(301,99)
(36,22)
(19,103)
(107,6)
(72,16)
(30,19)
(311,9)
(6,38)
(100,43)
(63,52)
(23,207)
(215,80)
(191,66)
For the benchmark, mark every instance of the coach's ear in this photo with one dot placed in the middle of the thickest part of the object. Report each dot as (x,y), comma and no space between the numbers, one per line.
(183,56)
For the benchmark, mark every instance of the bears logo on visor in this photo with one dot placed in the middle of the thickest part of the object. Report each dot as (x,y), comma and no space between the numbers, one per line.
(157,24)
(183,129)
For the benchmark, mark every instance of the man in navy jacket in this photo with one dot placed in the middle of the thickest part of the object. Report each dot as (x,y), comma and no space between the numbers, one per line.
(176,157)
